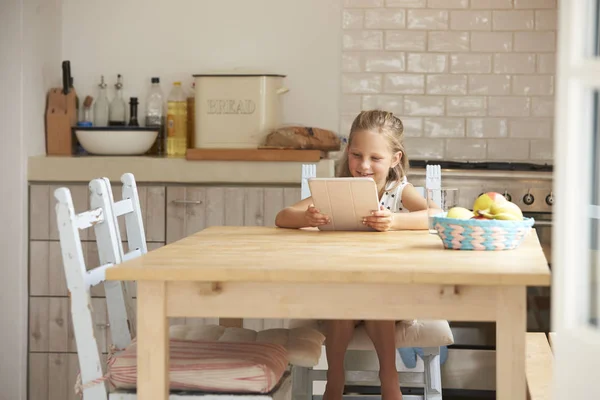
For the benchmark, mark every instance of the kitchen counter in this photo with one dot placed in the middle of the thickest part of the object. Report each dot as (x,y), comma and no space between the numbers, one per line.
(168,170)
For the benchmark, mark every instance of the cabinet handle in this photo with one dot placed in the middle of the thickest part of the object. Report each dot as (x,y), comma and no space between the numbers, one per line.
(187,202)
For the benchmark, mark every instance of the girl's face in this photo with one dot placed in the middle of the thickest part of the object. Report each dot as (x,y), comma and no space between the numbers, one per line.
(369,155)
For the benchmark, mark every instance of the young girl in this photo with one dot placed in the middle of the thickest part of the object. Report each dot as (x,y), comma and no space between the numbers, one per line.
(376,150)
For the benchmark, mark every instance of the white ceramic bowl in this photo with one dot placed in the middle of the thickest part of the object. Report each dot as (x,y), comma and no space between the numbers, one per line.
(116,141)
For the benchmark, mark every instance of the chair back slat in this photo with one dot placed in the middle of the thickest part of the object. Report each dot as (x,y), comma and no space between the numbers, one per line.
(81,306)
(110,251)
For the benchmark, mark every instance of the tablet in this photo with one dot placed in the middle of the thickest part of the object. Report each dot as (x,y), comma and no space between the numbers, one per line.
(346,200)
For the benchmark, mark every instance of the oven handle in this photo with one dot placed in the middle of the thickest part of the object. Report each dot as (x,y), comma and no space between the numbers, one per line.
(542,223)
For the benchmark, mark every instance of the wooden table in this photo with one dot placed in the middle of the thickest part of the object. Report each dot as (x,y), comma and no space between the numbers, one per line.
(261,272)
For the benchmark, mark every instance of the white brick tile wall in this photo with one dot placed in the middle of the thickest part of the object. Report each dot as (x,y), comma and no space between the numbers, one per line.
(491,41)
(542,106)
(448,3)
(535,3)
(385,19)
(413,127)
(466,149)
(487,127)
(353,19)
(427,19)
(535,41)
(542,85)
(363,3)
(541,150)
(471,63)
(471,20)
(489,84)
(508,150)
(448,41)
(392,103)
(530,128)
(406,3)
(546,63)
(472,80)
(545,20)
(363,40)
(351,104)
(444,127)
(468,106)
(424,105)
(447,84)
(427,62)
(514,63)
(491,4)
(513,20)
(361,83)
(351,62)
(404,83)
(406,40)
(385,62)
(507,106)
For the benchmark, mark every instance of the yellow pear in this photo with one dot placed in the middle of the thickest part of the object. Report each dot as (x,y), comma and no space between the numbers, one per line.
(506,211)
(459,213)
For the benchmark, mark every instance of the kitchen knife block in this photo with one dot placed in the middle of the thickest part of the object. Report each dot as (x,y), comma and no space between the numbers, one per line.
(61,116)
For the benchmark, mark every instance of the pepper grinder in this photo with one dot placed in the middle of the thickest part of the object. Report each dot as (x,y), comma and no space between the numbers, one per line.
(133,109)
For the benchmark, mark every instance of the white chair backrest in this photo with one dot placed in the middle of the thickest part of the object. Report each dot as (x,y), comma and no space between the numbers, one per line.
(103,218)
(308,171)
(433,180)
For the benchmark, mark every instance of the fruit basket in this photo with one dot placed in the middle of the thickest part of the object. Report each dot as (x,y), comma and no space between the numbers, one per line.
(481,234)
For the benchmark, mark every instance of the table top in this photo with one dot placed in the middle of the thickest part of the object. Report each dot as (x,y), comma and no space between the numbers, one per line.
(265,254)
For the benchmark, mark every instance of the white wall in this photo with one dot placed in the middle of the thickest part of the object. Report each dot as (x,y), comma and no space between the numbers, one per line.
(177,38)
(29,65)
(13,309)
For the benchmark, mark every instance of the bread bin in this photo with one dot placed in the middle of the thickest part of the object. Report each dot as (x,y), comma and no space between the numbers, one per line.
(236,109)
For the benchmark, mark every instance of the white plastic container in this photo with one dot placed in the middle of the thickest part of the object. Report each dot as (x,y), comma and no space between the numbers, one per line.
(237,109)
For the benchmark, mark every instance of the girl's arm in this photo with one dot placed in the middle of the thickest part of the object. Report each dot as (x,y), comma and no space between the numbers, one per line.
(295,216)
(417,205)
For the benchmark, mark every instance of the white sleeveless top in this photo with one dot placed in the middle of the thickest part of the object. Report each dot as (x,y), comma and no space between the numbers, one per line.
(392,198)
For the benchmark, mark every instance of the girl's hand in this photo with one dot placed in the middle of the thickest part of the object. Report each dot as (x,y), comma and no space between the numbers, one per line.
(314,217)
(380,220)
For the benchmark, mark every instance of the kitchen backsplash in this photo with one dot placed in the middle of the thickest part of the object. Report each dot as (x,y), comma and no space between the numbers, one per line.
(471,79)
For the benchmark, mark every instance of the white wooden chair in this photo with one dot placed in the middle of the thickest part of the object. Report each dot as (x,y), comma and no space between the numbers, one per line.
(362,366)
(80,280)
(103,218)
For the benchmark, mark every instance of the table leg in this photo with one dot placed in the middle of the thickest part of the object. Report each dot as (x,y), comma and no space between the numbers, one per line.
(152,341)
(511,328)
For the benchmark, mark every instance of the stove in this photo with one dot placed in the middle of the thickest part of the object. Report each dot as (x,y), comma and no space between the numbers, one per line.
(530,187)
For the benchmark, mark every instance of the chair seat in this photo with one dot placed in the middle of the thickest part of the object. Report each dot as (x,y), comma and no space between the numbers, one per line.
(420,333)
(209,366)
(302,344)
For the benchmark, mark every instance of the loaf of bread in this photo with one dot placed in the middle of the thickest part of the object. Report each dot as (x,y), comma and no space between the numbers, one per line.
(301,137)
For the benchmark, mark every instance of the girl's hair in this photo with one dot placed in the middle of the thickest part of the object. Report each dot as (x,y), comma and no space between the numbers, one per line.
(386,124)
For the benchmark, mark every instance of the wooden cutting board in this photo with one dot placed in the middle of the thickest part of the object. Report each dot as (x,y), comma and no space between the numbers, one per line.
(253,155)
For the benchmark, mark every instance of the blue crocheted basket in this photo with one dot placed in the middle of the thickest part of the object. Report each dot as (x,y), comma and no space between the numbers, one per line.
(481,234)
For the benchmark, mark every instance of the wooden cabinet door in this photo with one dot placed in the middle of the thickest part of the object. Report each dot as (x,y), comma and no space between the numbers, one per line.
(193,208)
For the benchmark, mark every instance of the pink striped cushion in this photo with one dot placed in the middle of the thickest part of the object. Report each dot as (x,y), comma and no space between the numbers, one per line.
(209,366)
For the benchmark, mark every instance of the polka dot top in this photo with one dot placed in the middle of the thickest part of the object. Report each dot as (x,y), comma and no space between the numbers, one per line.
(392,198)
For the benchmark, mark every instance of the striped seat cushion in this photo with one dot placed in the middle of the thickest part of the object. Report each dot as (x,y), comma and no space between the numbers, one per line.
(209,366)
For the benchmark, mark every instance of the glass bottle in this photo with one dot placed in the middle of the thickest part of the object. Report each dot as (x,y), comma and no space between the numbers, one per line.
(118,107)
(133,110)
(155,116)
(176,122)
(101,106)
